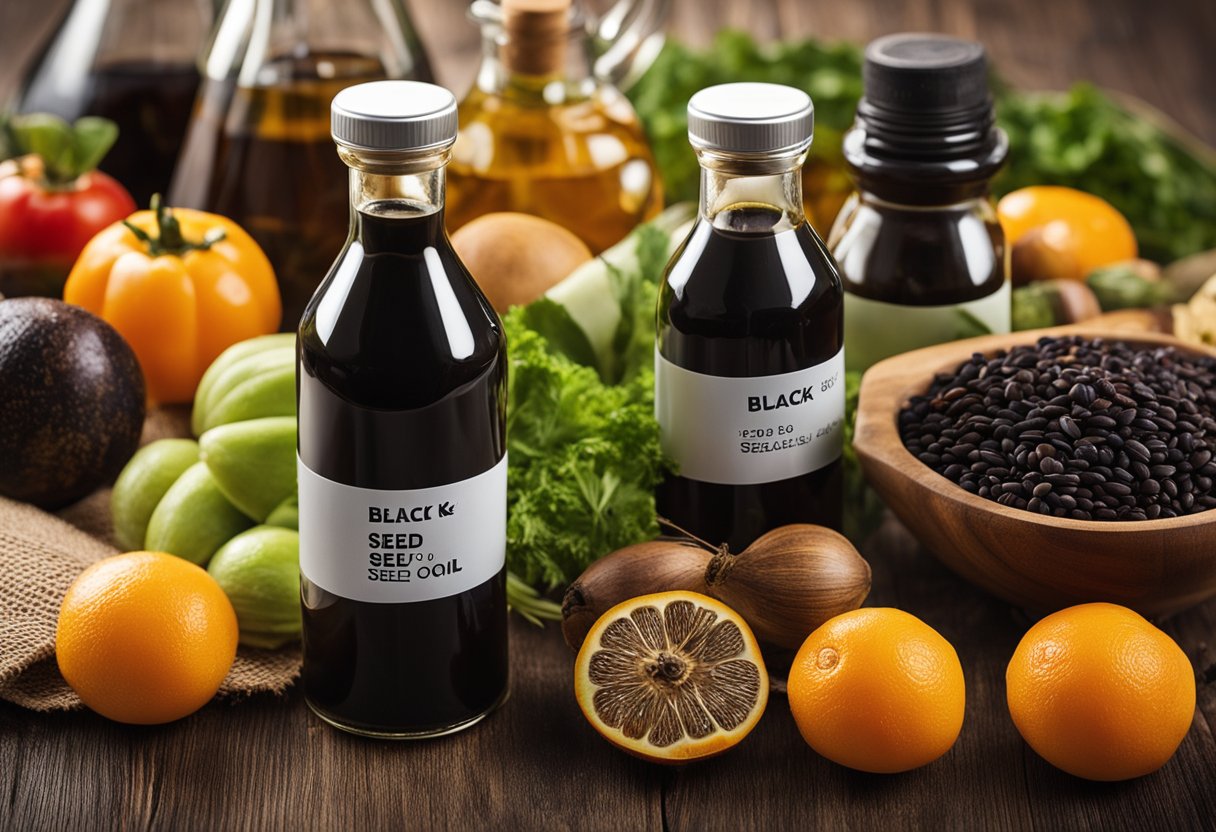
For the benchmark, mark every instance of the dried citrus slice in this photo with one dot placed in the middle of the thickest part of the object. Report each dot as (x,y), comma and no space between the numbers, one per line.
(671,677)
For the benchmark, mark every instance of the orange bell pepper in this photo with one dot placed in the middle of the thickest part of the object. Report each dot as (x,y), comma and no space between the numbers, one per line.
(180,286)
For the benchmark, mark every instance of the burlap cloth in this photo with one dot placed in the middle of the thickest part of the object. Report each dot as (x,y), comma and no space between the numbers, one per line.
(40,556)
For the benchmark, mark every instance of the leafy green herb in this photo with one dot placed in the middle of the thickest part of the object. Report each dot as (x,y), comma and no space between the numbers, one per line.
(584,451)
(584,460)
(1081,139)
(553,321)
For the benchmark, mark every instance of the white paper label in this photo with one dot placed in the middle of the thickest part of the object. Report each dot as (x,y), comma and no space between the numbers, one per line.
(744,431)
(874,330)
(393,547)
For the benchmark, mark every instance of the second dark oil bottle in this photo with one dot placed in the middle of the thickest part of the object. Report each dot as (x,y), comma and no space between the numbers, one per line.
(749,364)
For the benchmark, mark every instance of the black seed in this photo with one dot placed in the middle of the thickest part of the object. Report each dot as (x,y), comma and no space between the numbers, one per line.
(1070,427)
(1074,428)
(1051,466)
(1136,449)
(992,457)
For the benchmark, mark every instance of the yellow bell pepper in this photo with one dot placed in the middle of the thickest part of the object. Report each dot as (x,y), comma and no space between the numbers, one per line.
(180,286)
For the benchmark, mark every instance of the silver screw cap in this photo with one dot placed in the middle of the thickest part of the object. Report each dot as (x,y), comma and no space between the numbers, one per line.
(751,118)
(393,115)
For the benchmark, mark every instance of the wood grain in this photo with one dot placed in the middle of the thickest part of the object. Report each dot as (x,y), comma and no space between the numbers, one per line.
(268,763)
(1157,567)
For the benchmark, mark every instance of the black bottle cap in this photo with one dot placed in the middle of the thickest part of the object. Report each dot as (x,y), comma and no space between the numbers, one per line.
(925,73)
(925,125)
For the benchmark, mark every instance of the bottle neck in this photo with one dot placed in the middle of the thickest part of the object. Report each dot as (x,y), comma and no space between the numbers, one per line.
(962,200)
(933,172)
(736,191)
(397,200)
(278,43)
(541,67)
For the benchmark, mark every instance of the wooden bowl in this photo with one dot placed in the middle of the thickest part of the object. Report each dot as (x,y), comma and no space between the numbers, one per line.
(1156,567)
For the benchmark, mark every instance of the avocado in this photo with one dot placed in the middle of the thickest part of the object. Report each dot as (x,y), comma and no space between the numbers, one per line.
(71,402)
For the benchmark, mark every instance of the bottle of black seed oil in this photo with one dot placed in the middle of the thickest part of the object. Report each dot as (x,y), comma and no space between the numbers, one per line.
(749,368)
(402,443)
(919,246)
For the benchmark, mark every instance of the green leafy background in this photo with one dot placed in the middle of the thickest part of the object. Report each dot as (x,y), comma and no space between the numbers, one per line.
(1082,139)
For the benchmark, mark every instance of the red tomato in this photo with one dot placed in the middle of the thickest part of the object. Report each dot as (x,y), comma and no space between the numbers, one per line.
(53,225)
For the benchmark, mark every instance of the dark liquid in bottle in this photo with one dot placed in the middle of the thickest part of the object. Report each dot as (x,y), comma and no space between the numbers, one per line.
(385,405)
(263,156)
(151,104)
(736,317)
(928,258)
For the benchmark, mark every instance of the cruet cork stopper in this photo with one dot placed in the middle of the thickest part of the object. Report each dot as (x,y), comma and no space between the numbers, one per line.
(536,35)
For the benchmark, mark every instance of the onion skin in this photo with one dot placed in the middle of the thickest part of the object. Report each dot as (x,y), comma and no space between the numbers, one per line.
(785,585)
(791,580)
(641,569)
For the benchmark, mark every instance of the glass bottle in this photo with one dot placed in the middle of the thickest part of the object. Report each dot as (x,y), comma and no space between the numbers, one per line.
(921,252)
(259,150)
(133,62)
(749,370)
(543,131)
(402,443)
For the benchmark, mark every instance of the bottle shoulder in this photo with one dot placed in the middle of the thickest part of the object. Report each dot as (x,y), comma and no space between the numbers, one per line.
(731,273)
(919,255)
(400,329)
(745,305)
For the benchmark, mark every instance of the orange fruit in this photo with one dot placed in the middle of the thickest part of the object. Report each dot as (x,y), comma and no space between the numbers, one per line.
(145,637)
(671,677)
(1084,230)
(877,690)
(1099,692)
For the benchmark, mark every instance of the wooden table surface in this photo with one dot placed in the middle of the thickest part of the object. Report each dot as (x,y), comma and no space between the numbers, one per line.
(268,763)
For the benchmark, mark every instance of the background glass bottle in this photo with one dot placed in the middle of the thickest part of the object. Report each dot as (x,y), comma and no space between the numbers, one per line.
(133,62)
(544,134)
(749,387)
(402,443)
(259,150)
(920,250)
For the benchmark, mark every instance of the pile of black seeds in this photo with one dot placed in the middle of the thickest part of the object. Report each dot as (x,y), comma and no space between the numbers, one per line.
(1073,427)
